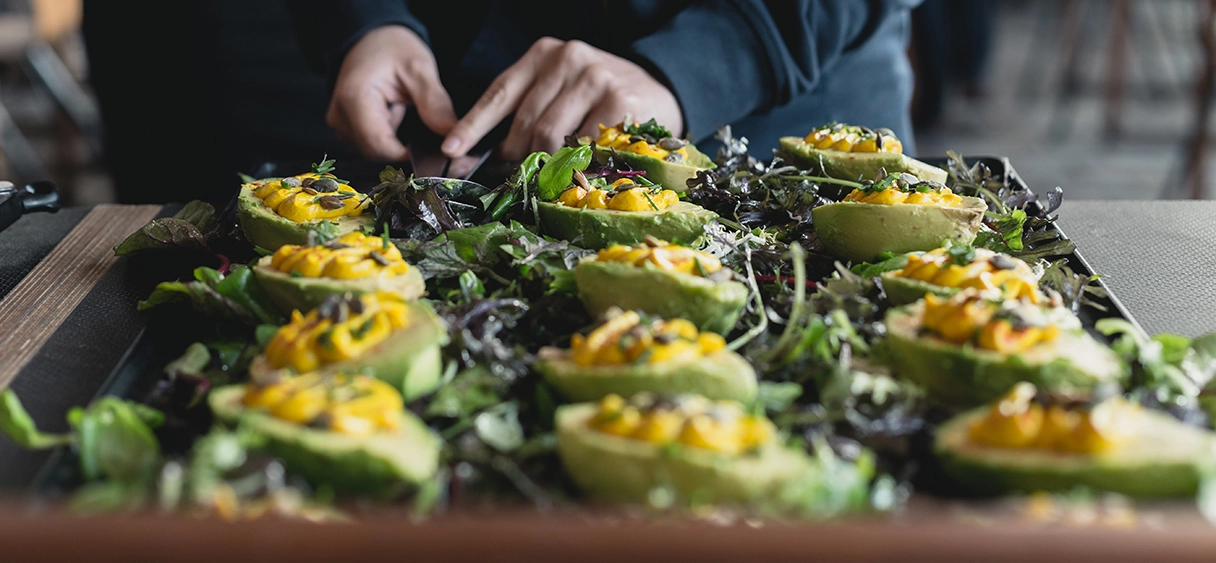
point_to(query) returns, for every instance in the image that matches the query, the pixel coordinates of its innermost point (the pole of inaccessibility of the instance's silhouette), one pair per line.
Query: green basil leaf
(499, 427)
(528, 168)
(17, 424)
(242, 287)
(558, 172)
(124, 447)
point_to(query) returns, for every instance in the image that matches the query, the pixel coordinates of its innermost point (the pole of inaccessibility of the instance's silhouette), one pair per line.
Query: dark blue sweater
(768, 69)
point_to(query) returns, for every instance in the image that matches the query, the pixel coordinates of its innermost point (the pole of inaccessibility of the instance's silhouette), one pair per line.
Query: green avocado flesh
(682, 223)
(302, 294)
(902, 291)
(408, 359)
(380, 464)
(1162, 459)
(859, 232)
(267, 229)
(720, 375)
(625, 470)
(966, 376)
(713, 306)
(673, 176)
(854, 166)
(670, 175)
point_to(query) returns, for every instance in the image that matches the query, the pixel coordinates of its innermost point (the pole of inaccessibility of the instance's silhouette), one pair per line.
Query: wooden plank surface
(514, 535)
(31, 313)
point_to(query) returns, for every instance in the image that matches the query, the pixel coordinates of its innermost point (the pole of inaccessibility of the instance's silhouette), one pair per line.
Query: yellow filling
(336, 331)
(720, 426)
(851, 138)
(350, 256)
(358, 405)
(982, 273)
(967, 317)
(1017, 421)
(302, 203)
(624, 338)
(662, 255)
(940, 197)
(624, 196)
(615, 137)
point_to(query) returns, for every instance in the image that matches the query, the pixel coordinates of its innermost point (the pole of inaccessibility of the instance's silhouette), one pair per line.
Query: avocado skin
(266, 229)
(673, 176)
(902, 291)
(681, 223)
(854, 166)
(713, 306)
(623, 470)
(410, 359)
(303, 294)
(965, 376)
(720, 375)
(1163, 461)
(858, 232)
(380, 465)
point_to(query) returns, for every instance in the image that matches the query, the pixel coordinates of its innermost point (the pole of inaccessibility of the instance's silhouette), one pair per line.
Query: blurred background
(1108, 99)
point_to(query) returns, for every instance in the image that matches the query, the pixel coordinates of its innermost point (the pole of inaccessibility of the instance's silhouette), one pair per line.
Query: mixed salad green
(539, 401)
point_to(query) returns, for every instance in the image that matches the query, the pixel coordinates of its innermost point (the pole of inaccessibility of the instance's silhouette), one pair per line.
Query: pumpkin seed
(291, 182)
(671, 144)
(325, 185)
(378, 258)
(330, 202)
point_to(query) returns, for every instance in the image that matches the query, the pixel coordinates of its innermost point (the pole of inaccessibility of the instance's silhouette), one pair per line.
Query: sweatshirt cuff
(713, 62)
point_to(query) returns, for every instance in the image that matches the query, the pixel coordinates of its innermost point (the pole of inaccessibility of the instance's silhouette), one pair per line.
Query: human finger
(498, 101)
(428, 95)
(370, 122)
(545, 88)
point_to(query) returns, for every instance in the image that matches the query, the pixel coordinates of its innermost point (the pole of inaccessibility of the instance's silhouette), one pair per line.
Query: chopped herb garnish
(650, 201)
(362, 330)
(651, 127)
(325, 166)
(326, 339)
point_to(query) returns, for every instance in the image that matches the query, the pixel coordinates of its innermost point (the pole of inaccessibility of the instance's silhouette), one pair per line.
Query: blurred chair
(32, 32)
(1191, 180)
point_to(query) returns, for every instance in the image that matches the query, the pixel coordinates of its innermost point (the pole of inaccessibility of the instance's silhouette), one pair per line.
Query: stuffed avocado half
(274, 212)
(662, 279)
(668, 161)
(348, 432)
(850, 152)
(380, 334)
(948, 270)
(621, 449)
(302, 277)
(899, 214)
(623, 212)
(629, 352)
(1026, 441)
(968, 349)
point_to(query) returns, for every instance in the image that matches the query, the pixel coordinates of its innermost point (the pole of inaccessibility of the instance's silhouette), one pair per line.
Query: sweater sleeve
(725, 59)
(327, 29)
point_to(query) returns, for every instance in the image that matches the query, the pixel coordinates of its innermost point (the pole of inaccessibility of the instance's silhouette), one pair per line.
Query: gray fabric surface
(24, 243)
(1157, 257)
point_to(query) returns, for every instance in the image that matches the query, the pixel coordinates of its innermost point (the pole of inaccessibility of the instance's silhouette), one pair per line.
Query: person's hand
(558, 88)
(386, 71)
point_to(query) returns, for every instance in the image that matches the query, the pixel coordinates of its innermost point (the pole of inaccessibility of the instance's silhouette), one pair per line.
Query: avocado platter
(803, 403)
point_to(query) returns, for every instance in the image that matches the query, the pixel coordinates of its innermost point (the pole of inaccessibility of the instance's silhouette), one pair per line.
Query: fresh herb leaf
(17, 424)
(326, 165)
(651, 127)
(188, 230)
(558, 172)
